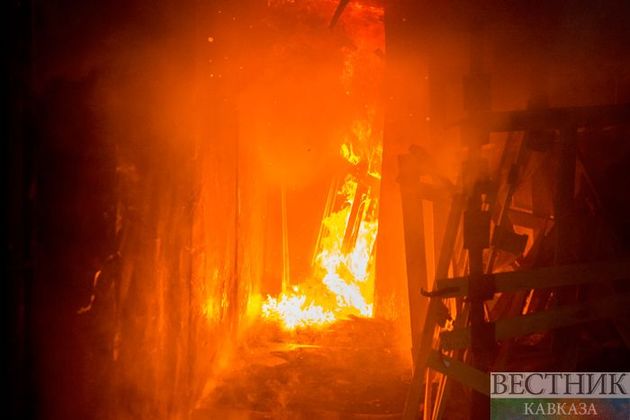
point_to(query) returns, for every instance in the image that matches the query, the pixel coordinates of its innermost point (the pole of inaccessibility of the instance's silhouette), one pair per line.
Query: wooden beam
(415, 249)
(565, 275)
(420, 356)
(528, 219)
(542, 321)
(552, 118)
(445, 384)
(460, 371)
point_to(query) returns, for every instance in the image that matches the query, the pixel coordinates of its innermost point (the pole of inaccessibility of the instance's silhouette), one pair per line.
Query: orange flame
(292, 311)
(342, 282)
(344, 266)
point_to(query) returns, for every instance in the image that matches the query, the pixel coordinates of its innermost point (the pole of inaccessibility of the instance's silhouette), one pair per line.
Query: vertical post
(477, 99)
(421, 353)
(415, 248)
(565, 191)
(564, 350)
(480, 406)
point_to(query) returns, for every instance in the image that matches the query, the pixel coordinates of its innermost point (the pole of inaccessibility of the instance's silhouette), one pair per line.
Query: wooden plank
(565, 275)
(421, 352)
(415, 250)
(527, 219)
(445, 384)
(446, 254)
(420, 356)
(552, 118)
(428, 401)
(460, 371)
(542, 321)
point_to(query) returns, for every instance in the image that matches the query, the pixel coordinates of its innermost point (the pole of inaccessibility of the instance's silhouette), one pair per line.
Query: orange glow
(299, 130)
(342, 272)
(292, 310)
(349, 155)
(343, 282)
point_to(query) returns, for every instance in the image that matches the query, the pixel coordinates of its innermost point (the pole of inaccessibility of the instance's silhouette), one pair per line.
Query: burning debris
(343, 279)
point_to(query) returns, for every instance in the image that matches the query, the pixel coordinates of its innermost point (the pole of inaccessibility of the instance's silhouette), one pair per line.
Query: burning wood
(344, 263)
(342, 273)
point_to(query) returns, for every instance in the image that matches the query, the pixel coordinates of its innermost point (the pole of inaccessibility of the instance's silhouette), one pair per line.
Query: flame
(343, 280)
(348, 154)
(346, 273)
(293, 311)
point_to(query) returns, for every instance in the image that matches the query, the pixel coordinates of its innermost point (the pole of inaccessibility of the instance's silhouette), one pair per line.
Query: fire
(341, 283)
(349, 155)
(346, 273)
(343, 279)
(293, 311)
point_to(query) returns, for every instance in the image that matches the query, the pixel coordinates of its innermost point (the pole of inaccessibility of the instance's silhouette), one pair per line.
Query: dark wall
(62, 181)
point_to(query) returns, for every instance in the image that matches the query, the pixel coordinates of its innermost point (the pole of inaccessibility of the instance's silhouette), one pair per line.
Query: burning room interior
(311, 209)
